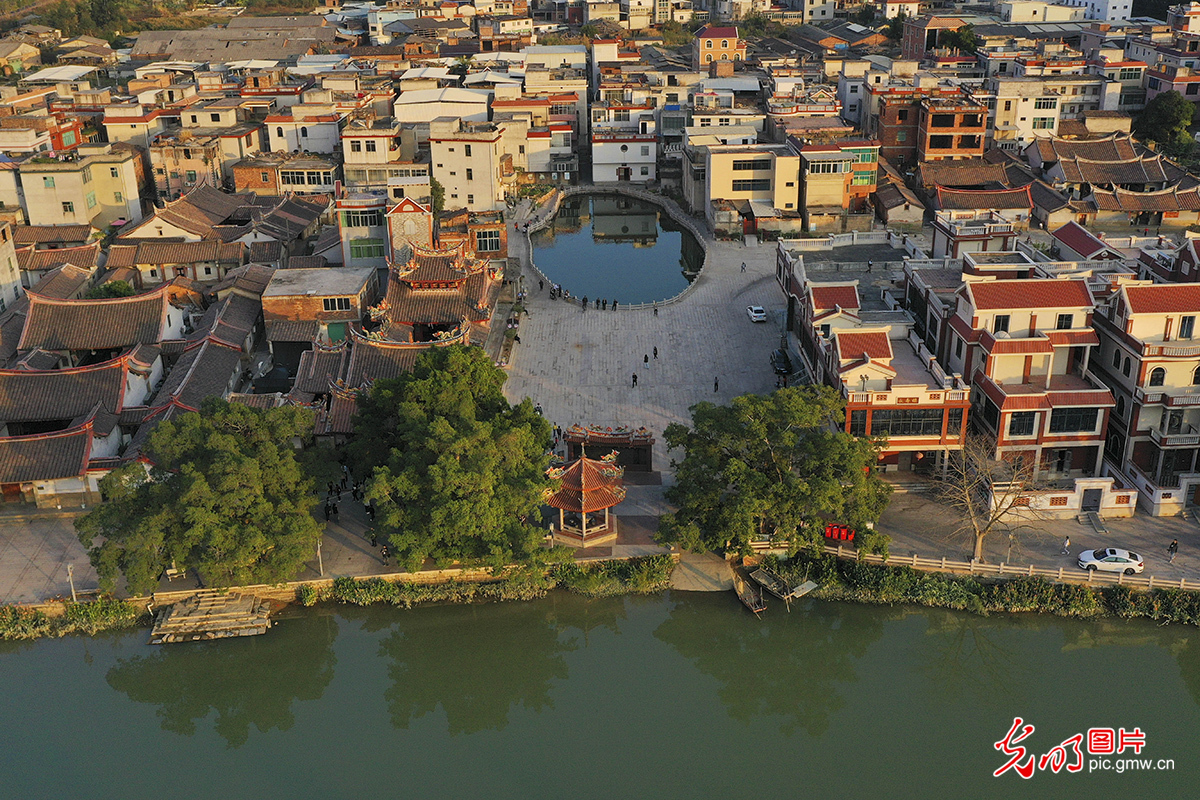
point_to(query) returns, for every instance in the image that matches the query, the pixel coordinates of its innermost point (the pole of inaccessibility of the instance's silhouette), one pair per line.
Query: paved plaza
(35, 549)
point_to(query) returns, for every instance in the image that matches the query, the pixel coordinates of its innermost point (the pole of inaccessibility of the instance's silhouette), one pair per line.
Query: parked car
(756, 313)
(1111, 559)
(781, 363)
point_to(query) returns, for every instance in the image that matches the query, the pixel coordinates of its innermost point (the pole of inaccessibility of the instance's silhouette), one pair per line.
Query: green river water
(669, 696)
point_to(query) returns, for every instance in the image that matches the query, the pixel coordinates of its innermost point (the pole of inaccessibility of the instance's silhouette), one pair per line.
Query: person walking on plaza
(656, 354)
(583, 304)
(634, 381)
(646, 359)
(374, 538)
(743, 266)
(385, 554)
(614, 305)
(1173, 550)
(716, 384)
(1066, 548)
(541, 285)
(604, 304)
(656, 311)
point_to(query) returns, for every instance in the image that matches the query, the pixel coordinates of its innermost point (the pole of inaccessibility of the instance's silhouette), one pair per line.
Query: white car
(1110, 559)
(756, 313)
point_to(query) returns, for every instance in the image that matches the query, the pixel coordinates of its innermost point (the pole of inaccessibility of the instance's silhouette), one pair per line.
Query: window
(47, 183)
(708, 43)
(215, 117)
(1125, 369)
(826, 168)
(1116, 359)
(863, 178)
(1043, 123)
(264, 177)
(1065, 322)
(1127, 74)
(118, 197)
(1121, 407)
(1001, 323)
(645, 149)
(1046, 102)
(858, 422)
(191, 176)
(355, 146)
(68, 208)
(1196, 377)
(90, 199)
(279, 132)
(114, 172)
(958, 347)
(901, 136)
(645, 170)
(902, 114)
(467, 150)
(1008, 105)
(754, 185)
(1021, 423)
(208, 270)
(337, 303)
(907, 422)
(1192, 88)
(366, 248)
(743, 165)
(371, 146)
(304, 133)
(195, 119)
(487, 241)
(1073, 420)
(1187, 327)
(470, 174)
(724, 44)
(470, 199)
(361, 219)
(86, 174)
(1158, 376)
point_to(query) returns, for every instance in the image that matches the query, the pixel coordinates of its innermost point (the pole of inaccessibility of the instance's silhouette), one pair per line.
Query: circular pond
(617, 248)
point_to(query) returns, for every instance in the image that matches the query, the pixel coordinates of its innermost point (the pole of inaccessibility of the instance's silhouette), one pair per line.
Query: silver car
(756, 313)
(1110, 559)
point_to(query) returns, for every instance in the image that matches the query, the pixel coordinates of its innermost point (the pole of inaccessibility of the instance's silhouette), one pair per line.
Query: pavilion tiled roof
(64, 281)
(45, 456)
(1174, 298)
(121, 322)
(472, 302)
(372, 361)
(586, 485)
(262, 401)
(969, 200)
(1163, 200)
(61, 394)
(1032, 293)
(32, 260)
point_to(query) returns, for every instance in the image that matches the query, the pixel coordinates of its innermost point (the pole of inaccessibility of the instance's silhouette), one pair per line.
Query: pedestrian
(335, 513)
(604, 304)
(614, 305)
(1173, 550)
(1066, 548)
(656, 354)
(541, 285)
(634, 386)
(327, 512)
(716, 384)
(656, 311)
(345, 481)
(374, 538)
(743, 266)
(870, 264)
(385, 554)
(646, 359)
(371, 511)
(583, 305)
(597, 303)
(331, 487)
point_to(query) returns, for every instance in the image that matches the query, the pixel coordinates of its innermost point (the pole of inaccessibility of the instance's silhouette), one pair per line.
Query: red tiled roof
(588, 485)
(723, 32)
(45, 456)
(1062, 338)
(872, 344)
(61, 394)
(1041, 293)
(1079, 239)
(1178, 298)
(53, 324)
(963, 329)
(971, 200)
(1094, 397)
(827, 297)
(1036, 345)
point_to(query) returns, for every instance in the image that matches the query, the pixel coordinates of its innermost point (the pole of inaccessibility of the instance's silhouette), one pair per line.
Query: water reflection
(251, 681)
(611, 246)
(795, 665)
(505, 656)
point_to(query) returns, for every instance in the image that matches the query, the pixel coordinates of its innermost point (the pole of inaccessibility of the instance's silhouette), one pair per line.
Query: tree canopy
(225, 495)
(962, 39)
(769, 465)
(454, 470)
(110, 289)
(1165, 119)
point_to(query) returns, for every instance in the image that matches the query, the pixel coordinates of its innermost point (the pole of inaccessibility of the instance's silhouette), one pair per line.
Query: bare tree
(987, 491)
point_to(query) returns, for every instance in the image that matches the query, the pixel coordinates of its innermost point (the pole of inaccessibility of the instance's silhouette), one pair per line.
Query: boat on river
(748, 593)
(776, 585)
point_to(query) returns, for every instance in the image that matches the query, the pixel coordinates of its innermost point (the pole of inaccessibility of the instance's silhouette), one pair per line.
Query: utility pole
(71, 580)
(320, 561)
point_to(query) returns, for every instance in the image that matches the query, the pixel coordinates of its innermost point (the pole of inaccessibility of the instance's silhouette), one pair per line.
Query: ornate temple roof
(586, 485)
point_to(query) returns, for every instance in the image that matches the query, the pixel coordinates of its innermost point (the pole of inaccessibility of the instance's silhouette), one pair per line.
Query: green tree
(225, 496)
(961, 39)
(110, 289)
(769, 465)
(1165, 119)
(437, 196)
(456, 472)
(895, 27)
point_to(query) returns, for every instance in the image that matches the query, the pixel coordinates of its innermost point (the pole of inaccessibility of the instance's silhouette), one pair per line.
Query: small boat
(748, 593)
(776, 585)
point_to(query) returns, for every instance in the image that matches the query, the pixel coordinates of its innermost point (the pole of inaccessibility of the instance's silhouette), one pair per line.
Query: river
(669, 696)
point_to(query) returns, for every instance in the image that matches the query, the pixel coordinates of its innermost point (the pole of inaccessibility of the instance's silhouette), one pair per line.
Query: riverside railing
(1006, 570)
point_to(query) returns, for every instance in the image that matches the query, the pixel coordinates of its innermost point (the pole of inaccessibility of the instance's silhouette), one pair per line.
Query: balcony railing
(979, 228)
(1172, 349)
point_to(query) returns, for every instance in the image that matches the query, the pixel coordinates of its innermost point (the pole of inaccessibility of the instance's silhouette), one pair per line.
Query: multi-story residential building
(277, 174)
(1104, 10)
(362, 225)
(893, 112)
(1149, 356)
(1025, 346)
(725, 176)
(950, 128)
(292, 131)
(1026, 108)
(96, 184)
(470, 161)
(624, 156)
(303, 306)
(837, 179)
(10, 272)
(180, 163)
(922, 35)
(962, 231)
(717, 43)
(375, 150)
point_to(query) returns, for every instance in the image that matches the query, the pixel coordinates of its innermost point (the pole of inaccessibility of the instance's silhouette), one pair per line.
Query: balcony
(1176, 398)
(975, 227)
(1189, 437)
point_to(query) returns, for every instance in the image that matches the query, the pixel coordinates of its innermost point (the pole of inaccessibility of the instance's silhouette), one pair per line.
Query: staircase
(1093, 519)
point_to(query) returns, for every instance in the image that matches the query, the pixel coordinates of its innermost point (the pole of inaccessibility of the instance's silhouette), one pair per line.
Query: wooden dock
(211, 615)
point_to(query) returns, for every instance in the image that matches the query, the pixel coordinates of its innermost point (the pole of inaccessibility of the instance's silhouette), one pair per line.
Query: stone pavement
(35, 549)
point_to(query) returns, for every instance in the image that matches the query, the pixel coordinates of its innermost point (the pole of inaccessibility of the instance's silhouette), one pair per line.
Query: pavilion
(586, 486)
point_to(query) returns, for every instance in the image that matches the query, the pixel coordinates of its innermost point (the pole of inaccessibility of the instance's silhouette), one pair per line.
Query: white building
(468, 160)
(1104, 10)
(624, 156)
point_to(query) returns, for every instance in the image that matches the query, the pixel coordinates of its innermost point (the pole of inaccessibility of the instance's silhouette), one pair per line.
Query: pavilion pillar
(583, 534)
(607, 526)
(560, 519)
